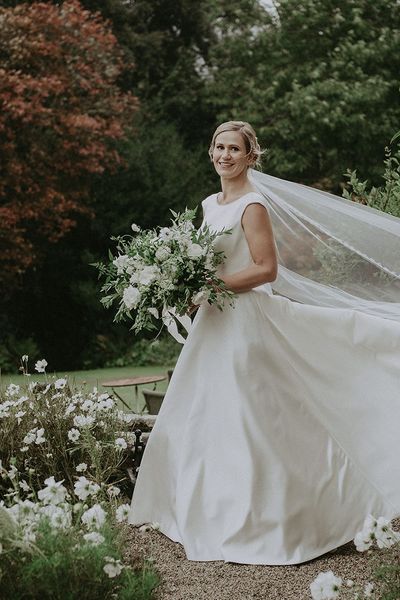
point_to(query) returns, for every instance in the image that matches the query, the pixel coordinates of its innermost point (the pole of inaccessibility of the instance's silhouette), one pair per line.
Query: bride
(278, 433)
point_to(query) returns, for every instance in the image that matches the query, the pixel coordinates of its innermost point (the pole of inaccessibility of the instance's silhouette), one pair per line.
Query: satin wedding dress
(279, 431)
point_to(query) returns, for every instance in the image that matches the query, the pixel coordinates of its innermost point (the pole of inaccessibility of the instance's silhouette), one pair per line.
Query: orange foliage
(61, 112)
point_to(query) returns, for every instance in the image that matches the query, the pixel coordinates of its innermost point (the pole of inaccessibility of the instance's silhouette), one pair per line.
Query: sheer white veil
(331, 251)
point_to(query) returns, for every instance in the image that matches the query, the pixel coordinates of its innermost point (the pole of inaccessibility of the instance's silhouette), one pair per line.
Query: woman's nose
(226, 153)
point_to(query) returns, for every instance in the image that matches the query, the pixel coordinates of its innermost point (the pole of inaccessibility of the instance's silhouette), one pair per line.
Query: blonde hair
(249, 136)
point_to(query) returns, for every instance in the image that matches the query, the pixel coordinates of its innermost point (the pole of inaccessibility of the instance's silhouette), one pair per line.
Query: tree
(61, 115)
(319, 82)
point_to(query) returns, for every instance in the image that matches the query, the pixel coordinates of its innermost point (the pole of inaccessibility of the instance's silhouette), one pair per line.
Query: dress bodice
(234, 245)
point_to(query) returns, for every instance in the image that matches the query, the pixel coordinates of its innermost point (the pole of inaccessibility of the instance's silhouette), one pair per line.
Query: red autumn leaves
(61, 114)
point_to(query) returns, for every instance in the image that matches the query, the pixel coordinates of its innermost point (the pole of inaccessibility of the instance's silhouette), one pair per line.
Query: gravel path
(215, 580)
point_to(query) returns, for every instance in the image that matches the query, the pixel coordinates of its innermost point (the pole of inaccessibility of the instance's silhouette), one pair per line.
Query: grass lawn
(89, 379)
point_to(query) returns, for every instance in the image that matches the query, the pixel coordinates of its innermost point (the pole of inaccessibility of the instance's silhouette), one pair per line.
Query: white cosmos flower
(74, 434)
(122, 513)
(87, 405)
(24, 486)
(60, 516)
(85, 488)
(41, 365)
(94, 517)
(113, 491)
(131, 297)
(12, 390)
(94, 538)
(112, 567)
(30, 437)
(70, 408)
(40, 436)
(326, 586)
(83, 421)
(12, 472)
(53, 493)
(60, 384)
(384, 534)
(121, 443)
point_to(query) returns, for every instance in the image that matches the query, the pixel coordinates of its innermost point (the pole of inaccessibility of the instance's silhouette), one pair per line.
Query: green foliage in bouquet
(163, 268)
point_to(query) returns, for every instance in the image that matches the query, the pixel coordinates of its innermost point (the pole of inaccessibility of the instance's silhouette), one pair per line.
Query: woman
(279, 430)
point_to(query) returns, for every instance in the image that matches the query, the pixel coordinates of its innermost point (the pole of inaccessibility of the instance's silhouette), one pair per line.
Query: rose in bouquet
(159, 274)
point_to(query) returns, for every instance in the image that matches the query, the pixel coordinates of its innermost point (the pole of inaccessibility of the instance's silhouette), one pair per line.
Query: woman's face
(229, 154)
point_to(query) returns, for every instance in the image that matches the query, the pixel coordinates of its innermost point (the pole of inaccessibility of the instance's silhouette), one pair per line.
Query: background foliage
(318, 80)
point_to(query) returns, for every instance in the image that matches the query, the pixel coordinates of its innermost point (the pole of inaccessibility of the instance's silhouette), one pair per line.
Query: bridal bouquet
(159, 274)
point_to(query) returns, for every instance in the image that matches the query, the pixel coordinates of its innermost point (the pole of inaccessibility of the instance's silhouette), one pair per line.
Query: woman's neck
(234, 188)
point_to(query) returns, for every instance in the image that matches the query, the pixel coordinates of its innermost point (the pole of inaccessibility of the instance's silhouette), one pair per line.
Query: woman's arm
(260, 238)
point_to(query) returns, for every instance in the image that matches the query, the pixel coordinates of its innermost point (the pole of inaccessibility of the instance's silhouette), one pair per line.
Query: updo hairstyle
(249, 136)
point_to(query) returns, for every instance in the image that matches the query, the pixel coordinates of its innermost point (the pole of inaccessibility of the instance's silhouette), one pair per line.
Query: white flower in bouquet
(121, 262)
(194, 250)
(326, 586)
(201, 296)
(94, 517)
(131, 297)
(163, 252)
(165, 233)
(170, 268)
(135, 228)
(148, 274)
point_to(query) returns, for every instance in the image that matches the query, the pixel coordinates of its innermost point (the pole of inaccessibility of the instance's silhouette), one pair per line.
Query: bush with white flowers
(159, 273)
(52, 429)
(52, 547)
(328, 586)
(62, 491)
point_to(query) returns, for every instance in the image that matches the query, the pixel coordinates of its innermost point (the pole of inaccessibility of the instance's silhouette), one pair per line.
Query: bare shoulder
(255, 214)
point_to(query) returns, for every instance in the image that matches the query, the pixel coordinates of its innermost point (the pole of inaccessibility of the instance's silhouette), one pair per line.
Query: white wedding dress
(280, 428)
